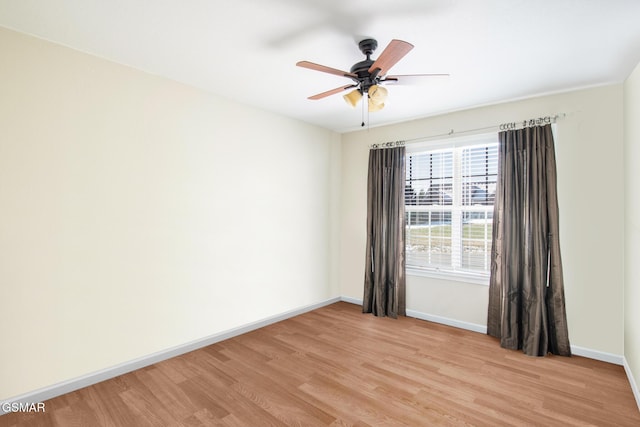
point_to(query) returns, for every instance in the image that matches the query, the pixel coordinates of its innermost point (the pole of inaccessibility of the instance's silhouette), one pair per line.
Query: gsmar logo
(22, 407)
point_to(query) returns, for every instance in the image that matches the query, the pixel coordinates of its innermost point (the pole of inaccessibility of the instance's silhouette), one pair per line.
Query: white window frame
(456, 209)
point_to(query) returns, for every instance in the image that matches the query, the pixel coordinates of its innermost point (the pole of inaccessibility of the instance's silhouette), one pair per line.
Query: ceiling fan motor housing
(361, 69)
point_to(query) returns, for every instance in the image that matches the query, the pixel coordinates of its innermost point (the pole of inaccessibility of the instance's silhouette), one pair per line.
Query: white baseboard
(74, 384)
(431, 318)
(632, 381)
(447, 321)
(350, 300)
(597, 355)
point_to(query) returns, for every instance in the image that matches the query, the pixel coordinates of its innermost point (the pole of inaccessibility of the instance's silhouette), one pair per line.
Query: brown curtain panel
(526, 291)
(384, 278)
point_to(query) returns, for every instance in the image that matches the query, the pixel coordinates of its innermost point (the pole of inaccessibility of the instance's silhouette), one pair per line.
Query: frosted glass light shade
(353, 97)
(378, 94)
(375, 106)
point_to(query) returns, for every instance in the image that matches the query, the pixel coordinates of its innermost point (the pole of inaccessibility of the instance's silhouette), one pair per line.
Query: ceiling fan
(369, 75)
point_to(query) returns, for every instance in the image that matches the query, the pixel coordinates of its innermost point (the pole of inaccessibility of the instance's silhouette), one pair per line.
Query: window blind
(449, 194)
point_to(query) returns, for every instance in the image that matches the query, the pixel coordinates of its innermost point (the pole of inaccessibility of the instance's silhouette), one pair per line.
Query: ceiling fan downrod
(365, 79)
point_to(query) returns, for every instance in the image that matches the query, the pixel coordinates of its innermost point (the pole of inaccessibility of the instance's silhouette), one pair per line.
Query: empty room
(319, 213)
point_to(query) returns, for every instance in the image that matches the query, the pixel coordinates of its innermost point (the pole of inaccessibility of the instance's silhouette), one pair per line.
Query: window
(449, 194)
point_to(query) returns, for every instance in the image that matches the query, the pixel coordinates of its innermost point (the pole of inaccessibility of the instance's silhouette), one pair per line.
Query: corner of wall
(631, 288)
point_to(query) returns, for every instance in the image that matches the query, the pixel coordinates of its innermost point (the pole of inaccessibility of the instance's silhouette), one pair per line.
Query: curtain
(384, 279)
(526, 290)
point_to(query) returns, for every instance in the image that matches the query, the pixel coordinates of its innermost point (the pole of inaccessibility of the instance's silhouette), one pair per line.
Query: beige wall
(589, 148)
(138, 214)
(632, 226)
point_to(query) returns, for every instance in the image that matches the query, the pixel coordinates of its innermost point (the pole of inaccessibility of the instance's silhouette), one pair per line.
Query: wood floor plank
(167, 393)
(77, 415)
(338, 367)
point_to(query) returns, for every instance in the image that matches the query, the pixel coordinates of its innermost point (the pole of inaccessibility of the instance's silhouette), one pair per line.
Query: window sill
(456, 277)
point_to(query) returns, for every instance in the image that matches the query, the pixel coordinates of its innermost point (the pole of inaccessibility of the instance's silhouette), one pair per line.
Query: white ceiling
(494, 50)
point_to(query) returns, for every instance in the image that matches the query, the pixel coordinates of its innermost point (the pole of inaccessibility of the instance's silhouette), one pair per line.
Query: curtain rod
(501, 127)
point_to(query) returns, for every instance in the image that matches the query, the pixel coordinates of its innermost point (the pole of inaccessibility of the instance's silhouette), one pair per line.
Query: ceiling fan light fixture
(378, 94)
(375, 106)
(353, 97)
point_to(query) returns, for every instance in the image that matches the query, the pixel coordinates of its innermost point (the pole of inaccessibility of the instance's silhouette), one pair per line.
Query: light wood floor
(338, 367)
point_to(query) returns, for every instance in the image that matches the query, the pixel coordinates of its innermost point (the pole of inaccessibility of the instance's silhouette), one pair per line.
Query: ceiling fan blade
(325, 69)
(394, 52)
(331, 92)
(412, 79)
